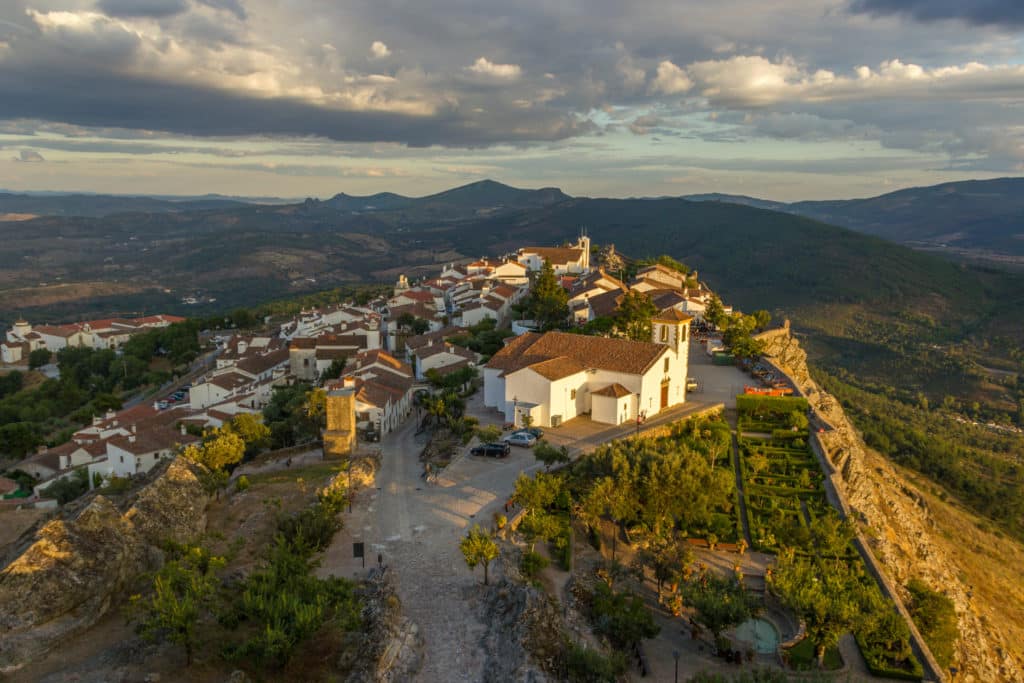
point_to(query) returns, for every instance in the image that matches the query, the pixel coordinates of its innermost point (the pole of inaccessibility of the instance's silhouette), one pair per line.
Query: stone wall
(78, 565)
(895, 529)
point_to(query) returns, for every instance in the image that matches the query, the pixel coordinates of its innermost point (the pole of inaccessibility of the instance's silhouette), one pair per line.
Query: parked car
(161, 405)
(492, 450)
(535, 432)
(524, 439)
(692, 384)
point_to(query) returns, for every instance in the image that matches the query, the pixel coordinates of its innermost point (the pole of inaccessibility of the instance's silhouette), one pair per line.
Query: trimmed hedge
(879, 666)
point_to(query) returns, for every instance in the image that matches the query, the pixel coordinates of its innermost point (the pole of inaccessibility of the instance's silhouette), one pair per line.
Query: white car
(524, 439)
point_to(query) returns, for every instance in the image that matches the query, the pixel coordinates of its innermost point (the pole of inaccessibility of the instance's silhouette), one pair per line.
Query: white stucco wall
(494, 388)
(604, 409)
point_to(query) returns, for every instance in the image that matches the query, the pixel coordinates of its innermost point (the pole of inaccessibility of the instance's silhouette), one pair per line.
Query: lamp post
(515, 412)
(675, 656)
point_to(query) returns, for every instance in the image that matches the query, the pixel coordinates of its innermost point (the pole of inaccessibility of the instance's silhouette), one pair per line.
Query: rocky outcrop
(524, 628)
(896, 520)
(391, 647)
(77, 567)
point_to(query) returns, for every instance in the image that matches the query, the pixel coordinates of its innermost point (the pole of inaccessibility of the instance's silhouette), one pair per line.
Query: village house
(564, 260)
(109, 333)
(557, 376)
(441, 356)
(383, 388)
(138, 452)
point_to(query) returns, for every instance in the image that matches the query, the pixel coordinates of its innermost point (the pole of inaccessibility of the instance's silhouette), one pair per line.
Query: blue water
(760, 633)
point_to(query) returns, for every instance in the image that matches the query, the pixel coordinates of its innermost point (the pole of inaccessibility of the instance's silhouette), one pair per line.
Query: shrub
(116, 485)
(242, 484)
(621, 617)
(532, 564)
(586, 665)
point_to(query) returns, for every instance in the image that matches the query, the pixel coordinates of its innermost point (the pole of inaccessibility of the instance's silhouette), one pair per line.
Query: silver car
(524, 439)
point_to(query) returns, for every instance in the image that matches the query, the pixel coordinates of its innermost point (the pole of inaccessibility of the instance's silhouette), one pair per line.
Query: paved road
(416, 528)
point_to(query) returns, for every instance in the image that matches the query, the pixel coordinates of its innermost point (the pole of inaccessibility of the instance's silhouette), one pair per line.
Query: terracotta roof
(662, 269)
(605, 304)
(557, 368)
(504, 291)
(377, 357)
(264, 362)
(672, 315)
(150, 440)
(331, 354)
(418, 295)
(7, 486)
(229, 380)
(615, 390)
(617, 355)
(449, 369)
(302, 343)
(341, 341)
(557, 255)
(666, 298)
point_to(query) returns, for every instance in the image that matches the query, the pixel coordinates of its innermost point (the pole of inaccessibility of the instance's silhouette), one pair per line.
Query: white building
(555, 377)
(572, 260)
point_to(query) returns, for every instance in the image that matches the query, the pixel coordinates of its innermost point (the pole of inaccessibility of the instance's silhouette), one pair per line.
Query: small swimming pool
(760, 633)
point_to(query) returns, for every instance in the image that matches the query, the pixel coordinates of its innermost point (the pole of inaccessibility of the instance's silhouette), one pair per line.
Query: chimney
(348, 383)
(110, 414)
(131, 438)
(183, 430)
(133, 429)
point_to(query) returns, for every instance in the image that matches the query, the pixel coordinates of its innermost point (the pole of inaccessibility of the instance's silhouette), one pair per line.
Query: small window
(666, 365)
(305, 362)
(664, 333)
(572, 394)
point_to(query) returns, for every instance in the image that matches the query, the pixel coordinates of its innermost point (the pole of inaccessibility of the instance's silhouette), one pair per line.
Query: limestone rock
(77, 566)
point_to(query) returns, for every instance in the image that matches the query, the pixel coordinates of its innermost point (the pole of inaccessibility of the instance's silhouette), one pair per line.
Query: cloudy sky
(785, 99)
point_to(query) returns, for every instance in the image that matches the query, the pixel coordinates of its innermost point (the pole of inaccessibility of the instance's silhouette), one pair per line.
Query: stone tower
(340, 435)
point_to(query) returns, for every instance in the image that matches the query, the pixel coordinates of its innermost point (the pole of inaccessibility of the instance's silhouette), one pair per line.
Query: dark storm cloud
(233, 6)
(979, 12)
(90, 99)
(142, 8)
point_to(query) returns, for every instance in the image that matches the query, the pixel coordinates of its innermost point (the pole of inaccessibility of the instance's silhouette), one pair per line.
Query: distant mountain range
(980, 218)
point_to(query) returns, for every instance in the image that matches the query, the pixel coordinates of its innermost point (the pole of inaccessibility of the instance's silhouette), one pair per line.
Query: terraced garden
(819, 567)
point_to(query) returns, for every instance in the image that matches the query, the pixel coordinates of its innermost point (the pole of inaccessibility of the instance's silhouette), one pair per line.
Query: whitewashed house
(556, 376)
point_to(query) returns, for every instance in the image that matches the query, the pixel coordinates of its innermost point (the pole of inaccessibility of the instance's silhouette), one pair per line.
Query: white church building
(556, 376)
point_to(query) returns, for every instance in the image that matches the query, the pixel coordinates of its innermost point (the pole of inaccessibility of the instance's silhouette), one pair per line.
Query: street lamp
(675, 656)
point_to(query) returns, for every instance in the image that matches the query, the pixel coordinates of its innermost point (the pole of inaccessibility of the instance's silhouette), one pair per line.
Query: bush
(621, 617)
(242, 484)
(532, 564)
(585, 665)
(935, 615)
(116, 485)
(67, 489)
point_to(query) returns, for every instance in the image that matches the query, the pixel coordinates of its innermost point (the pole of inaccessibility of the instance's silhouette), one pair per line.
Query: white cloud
(753, 81)
(670, 80)
(505, 72)
(379, 50)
